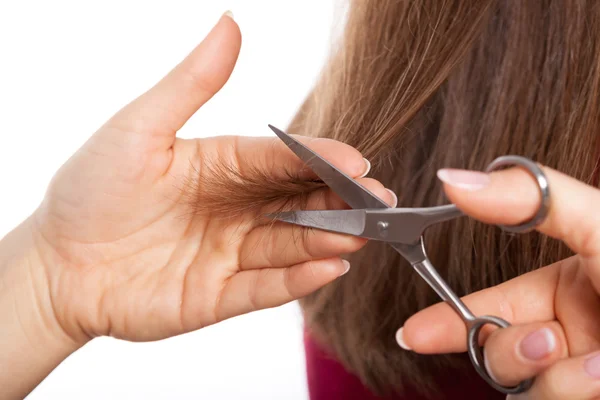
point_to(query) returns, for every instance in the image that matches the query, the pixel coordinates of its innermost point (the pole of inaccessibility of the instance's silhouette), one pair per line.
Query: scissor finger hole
(476, 354)
(542, 182)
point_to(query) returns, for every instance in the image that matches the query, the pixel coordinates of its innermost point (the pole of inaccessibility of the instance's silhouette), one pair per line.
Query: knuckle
(507, 311)
(253, 292)
(590, 242)
(259, 297)
(200, 82)
(310, 276)
(566, 224)
(312, 271)
(308, 241)
(555, 383)
(288, 283)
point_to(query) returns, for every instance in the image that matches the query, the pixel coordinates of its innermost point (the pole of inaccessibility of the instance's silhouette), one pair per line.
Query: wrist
(32, 342)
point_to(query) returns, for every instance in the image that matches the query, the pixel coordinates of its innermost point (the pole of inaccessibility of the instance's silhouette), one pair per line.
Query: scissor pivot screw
(382, 226)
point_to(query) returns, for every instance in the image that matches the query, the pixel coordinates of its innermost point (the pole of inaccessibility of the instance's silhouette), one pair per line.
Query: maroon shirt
(329, 380)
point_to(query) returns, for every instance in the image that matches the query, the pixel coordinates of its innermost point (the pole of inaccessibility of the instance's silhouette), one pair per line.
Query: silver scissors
(403, 228)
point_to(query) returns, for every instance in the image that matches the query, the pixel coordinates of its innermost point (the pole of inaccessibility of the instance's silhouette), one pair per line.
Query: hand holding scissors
(403, 228)
(555, 310)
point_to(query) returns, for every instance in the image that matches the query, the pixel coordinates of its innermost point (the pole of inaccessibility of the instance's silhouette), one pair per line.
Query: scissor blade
(353, 193)
(350, 222)
(392, 225)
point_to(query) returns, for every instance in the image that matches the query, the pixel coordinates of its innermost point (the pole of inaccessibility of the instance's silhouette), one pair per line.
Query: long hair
(424, 84)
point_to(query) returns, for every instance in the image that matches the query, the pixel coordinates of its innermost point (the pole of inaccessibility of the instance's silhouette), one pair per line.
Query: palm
(116, 217)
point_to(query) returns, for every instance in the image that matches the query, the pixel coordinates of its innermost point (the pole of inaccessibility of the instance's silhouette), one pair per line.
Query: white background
(67, 66)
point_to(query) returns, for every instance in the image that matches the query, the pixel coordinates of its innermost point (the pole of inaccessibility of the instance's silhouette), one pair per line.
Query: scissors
(403, 228)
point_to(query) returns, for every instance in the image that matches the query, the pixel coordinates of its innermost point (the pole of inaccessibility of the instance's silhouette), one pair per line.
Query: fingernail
(346, 266)
(538, 344)
(592, 366)
(228, 13)
(395, 202)
(368, 168)
(463, 179)
(400, 339)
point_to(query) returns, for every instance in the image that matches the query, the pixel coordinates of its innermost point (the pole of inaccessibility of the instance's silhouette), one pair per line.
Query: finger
(525, 299)
(511, 197)
(274, 157)
(257, 289)
(175, 98)
(571, 378)
(520, 352)
(281, 245)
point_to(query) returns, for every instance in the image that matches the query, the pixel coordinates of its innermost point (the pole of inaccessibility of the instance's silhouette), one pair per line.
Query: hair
(424, 84)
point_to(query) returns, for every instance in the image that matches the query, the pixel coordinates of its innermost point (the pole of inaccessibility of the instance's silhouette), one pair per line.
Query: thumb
(511, 197)
(173, 100)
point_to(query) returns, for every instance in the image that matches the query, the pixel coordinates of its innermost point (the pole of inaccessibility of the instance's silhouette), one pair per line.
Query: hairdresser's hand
(555, 311)
(123, 252)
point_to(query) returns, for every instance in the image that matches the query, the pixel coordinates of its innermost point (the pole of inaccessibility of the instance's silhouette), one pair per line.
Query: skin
(562, 297)
(113, 251)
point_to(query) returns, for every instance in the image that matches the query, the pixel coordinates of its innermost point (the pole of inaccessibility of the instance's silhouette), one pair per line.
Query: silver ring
(476, 354)
(543, 186)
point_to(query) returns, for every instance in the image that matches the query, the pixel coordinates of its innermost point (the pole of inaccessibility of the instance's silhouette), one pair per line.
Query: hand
(116, 247)
(555, 311)
(122, 252)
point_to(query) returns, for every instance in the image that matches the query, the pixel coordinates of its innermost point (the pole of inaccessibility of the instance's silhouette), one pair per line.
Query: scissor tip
(277, 131)
(287, 139)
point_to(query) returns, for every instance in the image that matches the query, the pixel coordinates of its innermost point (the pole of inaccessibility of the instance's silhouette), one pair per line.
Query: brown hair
(424, 84)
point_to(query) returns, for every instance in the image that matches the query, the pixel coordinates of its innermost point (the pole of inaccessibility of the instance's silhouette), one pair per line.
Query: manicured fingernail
(367, 168)
(228, 13)
(592, 366)
(400, 339)
(346, 266)
(463, 179)
(538, 344)
(395, 202)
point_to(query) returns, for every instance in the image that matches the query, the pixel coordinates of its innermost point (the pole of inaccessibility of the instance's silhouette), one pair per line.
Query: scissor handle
(474, 324)
(542, 182)
(474, 327)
